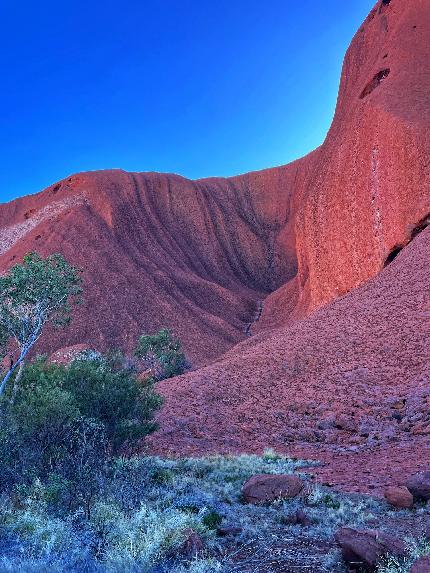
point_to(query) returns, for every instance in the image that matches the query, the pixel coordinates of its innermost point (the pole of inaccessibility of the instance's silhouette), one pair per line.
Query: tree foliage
(32, 294)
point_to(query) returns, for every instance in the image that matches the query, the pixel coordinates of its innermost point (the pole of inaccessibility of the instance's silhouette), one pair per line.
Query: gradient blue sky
(199, 88)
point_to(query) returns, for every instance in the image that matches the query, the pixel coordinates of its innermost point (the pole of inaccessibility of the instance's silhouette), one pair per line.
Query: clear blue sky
(199, 88)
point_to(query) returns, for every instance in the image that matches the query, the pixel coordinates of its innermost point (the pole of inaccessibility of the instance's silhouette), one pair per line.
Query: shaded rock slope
(336, 245)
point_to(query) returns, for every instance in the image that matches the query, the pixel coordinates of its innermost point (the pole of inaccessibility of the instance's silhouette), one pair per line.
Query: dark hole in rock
(415, 27)
(384, 4)
(56, 188)
(419, 227)
(423, 224)
(29, 213)
(38, 237)
(374, 83)
(386, 56)
(392, 255)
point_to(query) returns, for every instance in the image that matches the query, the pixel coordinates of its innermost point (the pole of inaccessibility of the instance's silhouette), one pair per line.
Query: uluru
(300, 293)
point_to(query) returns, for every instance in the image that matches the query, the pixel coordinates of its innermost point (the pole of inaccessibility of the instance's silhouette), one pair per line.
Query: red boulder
(192, 546)
(399, 497)
(365, 547)
(264, 488)
(419, 485)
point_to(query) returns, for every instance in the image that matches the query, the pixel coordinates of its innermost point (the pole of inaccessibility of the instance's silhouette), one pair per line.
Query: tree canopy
(38, 291)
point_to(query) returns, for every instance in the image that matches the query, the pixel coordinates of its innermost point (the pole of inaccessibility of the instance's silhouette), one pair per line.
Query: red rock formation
(359, 198)
(338, 341)
(159, 250)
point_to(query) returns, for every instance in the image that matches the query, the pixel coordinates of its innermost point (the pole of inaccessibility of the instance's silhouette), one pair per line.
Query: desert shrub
(162, 354)
(212, 519)
(110, 393)
(143, 507)
(35, 427)
(67, 421)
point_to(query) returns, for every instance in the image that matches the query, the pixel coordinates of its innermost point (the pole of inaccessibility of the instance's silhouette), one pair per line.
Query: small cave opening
(384, 5)
(423, 224)
(393, 254)
(375, 82)
(419, 227)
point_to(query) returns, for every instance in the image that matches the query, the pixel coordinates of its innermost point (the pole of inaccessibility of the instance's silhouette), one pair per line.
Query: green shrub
(212, 519)
(65, 421)
(162, 354)
(112, 394)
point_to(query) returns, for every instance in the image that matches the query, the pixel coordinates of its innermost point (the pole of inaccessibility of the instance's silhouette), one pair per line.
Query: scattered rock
(303, 519)
(419, 485)
(365, 547)
(422, 429)
(192, 546)
(326, 424)
(398, 404)
(145, 375)
(264, 488)
(228, 531)
(67, 354)
(421, 566)
(346, 423)
(399, 497)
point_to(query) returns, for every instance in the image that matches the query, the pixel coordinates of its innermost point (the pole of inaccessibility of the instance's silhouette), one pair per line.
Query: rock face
(336, 245)
(265, 488)
(159, 250)
(366, 547)
(361, 214)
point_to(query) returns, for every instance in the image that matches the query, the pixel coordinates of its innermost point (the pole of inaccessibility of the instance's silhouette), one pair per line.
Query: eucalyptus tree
(32, 294)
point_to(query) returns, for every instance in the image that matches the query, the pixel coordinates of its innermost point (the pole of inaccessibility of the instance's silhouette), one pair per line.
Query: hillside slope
(159, 250)
(347, 384)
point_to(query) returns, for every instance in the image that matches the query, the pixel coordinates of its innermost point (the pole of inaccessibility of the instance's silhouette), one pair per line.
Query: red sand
(339, 364)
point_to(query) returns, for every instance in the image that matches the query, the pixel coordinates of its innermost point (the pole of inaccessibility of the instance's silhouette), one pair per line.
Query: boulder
(422, 565)
(419, 485)
(365, 547)
(399, 497)
(264, 488)
(67, 354)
